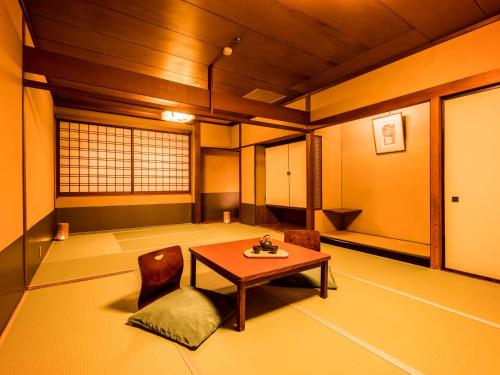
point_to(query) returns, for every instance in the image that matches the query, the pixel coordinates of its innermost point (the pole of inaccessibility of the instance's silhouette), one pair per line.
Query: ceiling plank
(296, 29)
(374, 57)
(70, 68)
(159, 37)
(435, 19)
(490, 7)
(203, 26)
(368, 22)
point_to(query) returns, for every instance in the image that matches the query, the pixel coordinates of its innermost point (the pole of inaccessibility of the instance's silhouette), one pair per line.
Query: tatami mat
(386, 317)
(422, 336)
(80, 329)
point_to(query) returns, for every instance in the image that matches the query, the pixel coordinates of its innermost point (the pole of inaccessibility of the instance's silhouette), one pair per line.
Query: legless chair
(304, 238)
(161, 273)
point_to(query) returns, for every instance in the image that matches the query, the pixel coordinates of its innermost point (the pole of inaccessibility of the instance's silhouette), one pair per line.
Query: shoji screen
(161, 161)
(94, 158)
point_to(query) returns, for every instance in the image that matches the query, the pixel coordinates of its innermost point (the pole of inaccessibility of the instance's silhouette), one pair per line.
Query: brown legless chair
(161, 272)
(304, 238)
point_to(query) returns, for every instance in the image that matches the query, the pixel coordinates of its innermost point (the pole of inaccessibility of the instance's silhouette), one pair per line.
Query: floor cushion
(305, 279)
(187, 315)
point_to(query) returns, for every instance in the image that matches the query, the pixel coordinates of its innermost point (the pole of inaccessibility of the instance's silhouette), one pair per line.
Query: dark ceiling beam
(149, 104)
(70, 68)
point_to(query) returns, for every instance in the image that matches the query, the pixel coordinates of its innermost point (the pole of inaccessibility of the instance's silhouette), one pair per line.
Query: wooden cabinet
(286, 175)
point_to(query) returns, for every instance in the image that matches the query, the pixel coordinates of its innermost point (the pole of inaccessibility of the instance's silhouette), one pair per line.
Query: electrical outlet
(455, 199)
(40, 251)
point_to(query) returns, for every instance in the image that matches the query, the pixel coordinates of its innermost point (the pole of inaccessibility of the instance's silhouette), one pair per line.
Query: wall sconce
(62, 231)
(176, 117)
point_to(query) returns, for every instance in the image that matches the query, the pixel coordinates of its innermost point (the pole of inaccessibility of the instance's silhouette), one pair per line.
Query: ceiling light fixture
(176, 117)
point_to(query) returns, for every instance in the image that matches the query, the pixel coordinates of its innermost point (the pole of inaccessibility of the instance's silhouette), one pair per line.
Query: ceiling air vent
(264, 96)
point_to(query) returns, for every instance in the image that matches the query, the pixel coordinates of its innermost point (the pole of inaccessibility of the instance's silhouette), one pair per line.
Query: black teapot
(266, 243)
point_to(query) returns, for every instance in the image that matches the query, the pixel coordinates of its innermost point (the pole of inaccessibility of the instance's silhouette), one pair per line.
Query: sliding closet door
(277, 187)
(297, 160)
(472, 183)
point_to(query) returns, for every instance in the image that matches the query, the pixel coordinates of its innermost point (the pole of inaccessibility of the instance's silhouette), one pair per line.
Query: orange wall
(392, 189)
(466, 55)
(219, 136)
(39, 123)
(40, 151)
(220, 171)
(11, 219)
(251, 134)
(248, 175)
(119, 200)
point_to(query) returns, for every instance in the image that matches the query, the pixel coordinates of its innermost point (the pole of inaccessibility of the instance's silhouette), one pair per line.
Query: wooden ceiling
(290, 47)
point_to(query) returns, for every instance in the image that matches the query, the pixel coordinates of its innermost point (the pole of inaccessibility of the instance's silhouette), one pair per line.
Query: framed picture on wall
(388, 132)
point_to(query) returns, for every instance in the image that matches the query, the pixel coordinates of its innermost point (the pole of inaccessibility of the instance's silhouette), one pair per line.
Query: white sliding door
(277, 185)
(472, 183)
(297, 162)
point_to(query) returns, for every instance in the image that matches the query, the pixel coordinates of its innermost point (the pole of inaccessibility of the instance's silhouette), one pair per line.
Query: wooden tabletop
(229, 258)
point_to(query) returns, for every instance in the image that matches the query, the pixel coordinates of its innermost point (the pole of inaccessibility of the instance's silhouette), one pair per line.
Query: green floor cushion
(187, 315)
(305, 279)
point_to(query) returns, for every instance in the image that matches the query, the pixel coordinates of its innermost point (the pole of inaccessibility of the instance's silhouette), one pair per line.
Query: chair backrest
(304, 238)
(161, 272)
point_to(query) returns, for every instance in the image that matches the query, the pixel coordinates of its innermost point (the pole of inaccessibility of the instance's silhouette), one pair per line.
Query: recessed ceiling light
(176, 116)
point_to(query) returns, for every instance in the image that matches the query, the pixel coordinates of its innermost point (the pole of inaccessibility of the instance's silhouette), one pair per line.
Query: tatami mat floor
(386, 317)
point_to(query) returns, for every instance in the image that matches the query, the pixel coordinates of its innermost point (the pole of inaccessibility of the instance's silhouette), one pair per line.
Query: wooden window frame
(119, 193)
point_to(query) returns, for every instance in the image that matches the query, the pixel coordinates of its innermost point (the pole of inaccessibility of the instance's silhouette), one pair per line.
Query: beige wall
(11, 219)
(248, 175)
(392, 189)
(220, 171)
(466, 55)
(219, 136)
(119, 200)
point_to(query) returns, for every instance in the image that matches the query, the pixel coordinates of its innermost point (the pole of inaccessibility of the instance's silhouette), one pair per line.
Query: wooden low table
(227, 259)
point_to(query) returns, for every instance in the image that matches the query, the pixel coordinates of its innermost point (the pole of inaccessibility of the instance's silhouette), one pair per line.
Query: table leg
(193, 271)
(240, 307)
(324, 280)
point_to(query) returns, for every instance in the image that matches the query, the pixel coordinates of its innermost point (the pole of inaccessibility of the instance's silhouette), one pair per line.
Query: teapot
(266, 243)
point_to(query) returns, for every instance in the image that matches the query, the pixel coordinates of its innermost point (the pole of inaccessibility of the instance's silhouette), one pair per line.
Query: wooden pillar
(197, 173)
(309, 180)
(436, 184)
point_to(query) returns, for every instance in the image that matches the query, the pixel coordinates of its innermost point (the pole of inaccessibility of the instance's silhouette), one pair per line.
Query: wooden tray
(265, 254)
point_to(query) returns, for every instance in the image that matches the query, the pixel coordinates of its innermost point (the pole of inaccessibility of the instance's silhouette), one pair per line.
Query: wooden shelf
(342, 217)
(343, 211)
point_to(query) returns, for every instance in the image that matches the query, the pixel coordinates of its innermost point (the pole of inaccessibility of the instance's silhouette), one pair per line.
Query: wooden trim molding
(309, 181)
(436, 184)
(197, 173)
(489, 78)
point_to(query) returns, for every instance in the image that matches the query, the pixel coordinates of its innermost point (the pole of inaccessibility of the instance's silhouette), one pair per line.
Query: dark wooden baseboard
(408, 258)
(247, 213)
(214, 204)
(12, 280)
(87, 219)
(38, 240)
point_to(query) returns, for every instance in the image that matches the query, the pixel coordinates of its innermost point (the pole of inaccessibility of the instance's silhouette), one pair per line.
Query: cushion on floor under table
(187, 315)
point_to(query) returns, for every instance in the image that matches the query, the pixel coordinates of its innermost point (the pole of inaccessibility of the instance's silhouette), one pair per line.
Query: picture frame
(389, 134)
